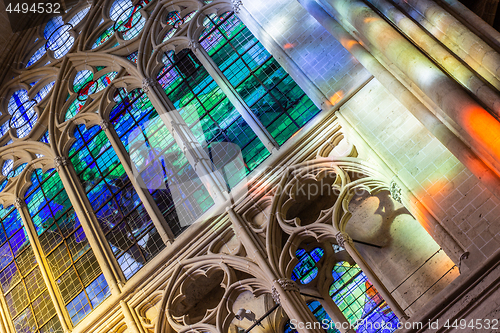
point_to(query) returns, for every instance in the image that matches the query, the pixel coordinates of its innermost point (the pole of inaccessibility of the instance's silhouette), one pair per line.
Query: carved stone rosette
(19, 203)
(395, 191)
(104, 124)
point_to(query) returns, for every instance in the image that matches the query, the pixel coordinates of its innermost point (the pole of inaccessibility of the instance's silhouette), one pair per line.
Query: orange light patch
(483, 127)
(288, 46)
(337, 97)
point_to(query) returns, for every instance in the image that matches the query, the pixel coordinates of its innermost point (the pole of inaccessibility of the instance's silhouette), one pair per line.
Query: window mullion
(233, 96)
(154, 212)
(43, 265)
(188, 143)
(5, 324)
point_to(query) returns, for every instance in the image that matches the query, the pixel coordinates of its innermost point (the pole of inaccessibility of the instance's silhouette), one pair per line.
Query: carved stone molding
(104, 124)
(193, 45)
(237, 5)
(148, 83)
(60, 161)
(287, 285)
(343, 238)
(19, 203)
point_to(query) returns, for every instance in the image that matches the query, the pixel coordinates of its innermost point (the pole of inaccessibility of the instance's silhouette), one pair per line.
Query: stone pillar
(42, 264)
(457, 37)
(447, 60)
(154, 213)
(107, 262)
(5, 322)
(187, 141)
(233, 96)
(480, 27)
(473, 122)
(283, 290)
(346, 242)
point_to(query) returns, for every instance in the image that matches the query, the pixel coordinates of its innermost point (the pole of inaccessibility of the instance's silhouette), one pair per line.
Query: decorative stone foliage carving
(395, 191)
(237, 4)
(287, 285)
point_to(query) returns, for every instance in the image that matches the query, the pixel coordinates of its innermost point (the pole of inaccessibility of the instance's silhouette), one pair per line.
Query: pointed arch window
(23, 287)
(71, 261)
(159, 160)
(122, 217)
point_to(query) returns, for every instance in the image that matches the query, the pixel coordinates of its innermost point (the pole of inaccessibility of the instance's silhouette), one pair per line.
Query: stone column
(480, 129)
(107, 262)
(283, 290)
(187, 142)
(5, 322)
(447, 60)
(346, 242)
(42, 264)
(154, 213)
(233, 96)
(457, 37)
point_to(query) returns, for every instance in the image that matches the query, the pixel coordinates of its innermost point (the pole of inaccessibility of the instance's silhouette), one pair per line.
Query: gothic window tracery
(126, 19)
(21, 109)
(58, 36)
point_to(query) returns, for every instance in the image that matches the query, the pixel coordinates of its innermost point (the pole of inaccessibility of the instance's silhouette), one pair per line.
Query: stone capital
(343, 238)
(60, 161)
(287, 285)
(148, 83)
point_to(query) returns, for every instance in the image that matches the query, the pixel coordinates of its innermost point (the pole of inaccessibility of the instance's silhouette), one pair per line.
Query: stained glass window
(356, 297)
(277, 101)
(175, 21)
(84, 85)
(173, 183)
(122, 217)
(127, 19)
(322, 317)
(359, 301)
(71, 261)
(207, 110)
(22, 284)
(306, 269)
(22, 110)
(58, 37)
